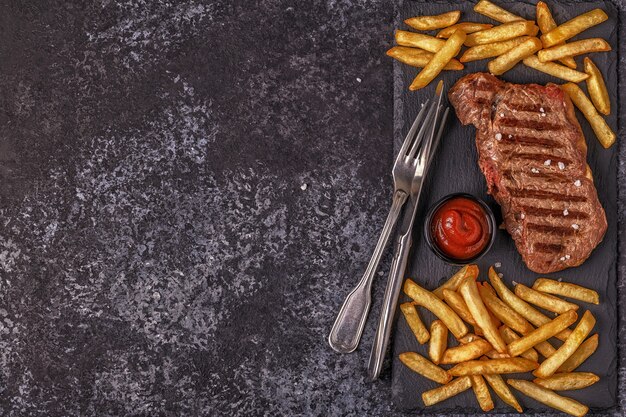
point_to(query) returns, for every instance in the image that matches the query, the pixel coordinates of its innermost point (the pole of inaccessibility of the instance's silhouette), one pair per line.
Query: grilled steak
(533, 155)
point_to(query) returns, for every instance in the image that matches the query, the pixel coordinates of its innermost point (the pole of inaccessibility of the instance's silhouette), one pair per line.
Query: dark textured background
(188, 190)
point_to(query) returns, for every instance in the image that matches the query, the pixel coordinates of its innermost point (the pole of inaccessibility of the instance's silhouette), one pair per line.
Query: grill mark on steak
(534, 195)
(529, 124)
(547, 212)
(529, 140)
(551, 230)
(545, 195)
(548, 247)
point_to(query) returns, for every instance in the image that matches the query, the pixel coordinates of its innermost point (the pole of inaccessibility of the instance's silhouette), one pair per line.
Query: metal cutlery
(348, 327)
(423, 148)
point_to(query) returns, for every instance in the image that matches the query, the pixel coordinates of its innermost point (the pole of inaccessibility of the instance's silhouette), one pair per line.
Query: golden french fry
(466, 352)
(566, 289)
(546, 23)
(444, 392)
(415, 322)
(490, 50)
(419, 40)
(509, 336)
(494, 366)
(502, 32)
(597, 88)
(542, 333)
(456, 279)
(497, 13)
(434, 22)
(573, 27)
(580, 47)
(475, 305)
(482, 393)
(509, 59)
(419, 58)
(456, 303)
(568, 381)
(502, 311)
(431, 302)
(549, 398)
(602, 130)
(438, 341)
(550, 365)
(586, 349)
(556, 70)
(545, 301)
(467, 27)
(440, 60)
(502, 390)
(522, 307)
(469, 338)
(492, 354)
(424, 367)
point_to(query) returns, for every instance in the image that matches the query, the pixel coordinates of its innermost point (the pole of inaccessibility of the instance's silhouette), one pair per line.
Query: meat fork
(348, 327)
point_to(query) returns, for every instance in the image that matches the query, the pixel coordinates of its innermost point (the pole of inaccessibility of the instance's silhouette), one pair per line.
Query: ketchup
(460, 228)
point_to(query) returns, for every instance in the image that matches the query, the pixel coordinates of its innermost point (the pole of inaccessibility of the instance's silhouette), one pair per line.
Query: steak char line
(532, 152)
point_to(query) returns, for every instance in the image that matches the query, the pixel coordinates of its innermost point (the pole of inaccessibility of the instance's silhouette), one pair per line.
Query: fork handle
(346, 332)
(390, 302)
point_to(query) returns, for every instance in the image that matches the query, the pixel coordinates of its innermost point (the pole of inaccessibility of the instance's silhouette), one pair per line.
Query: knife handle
(346, 332)
(390, 302)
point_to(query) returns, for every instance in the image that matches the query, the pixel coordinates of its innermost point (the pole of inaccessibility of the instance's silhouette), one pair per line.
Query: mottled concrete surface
(188, 189)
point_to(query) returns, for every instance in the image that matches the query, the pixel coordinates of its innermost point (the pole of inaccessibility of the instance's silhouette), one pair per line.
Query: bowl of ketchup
(460, 228)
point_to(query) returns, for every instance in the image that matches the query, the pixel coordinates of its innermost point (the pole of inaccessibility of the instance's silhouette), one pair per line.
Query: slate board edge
(621, 204)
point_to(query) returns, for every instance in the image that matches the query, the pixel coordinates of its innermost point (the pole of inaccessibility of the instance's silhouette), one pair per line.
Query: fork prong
(422, 131)
(411, 135)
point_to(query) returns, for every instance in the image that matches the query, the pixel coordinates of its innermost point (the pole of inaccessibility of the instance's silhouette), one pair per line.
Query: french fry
(456, 279)
(438, 341)
(415, 322)
(556, 70)
(494, 366)
(597, 88)
(522, 307)
(509, 336)
(602, 130)
(549, 398)
(546, 23)
(580, 47)
(497, 13)
(440, 60)
(466, 352)
(586, 349)
(566, 289)
(482, 393)
(490, 50)
(542, 333)
(431, 302)
(502, 390)
(507, 60)
(502, 32)
(469, 338)
(417, 363)
(467, 27)
(419, 58)
(568, 381)
(456, 303)
(545, 301)
(444, 392)
(434, 22)
(493, 354)
(502, 311)
(471, 296)
(419, 40)
(550, 365)
(573, 27)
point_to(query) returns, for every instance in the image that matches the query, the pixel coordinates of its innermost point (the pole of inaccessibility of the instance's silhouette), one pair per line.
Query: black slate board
(456, 170)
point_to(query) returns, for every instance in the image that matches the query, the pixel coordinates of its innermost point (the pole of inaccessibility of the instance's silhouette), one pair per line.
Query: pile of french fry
(510, 336)
(512, 41)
